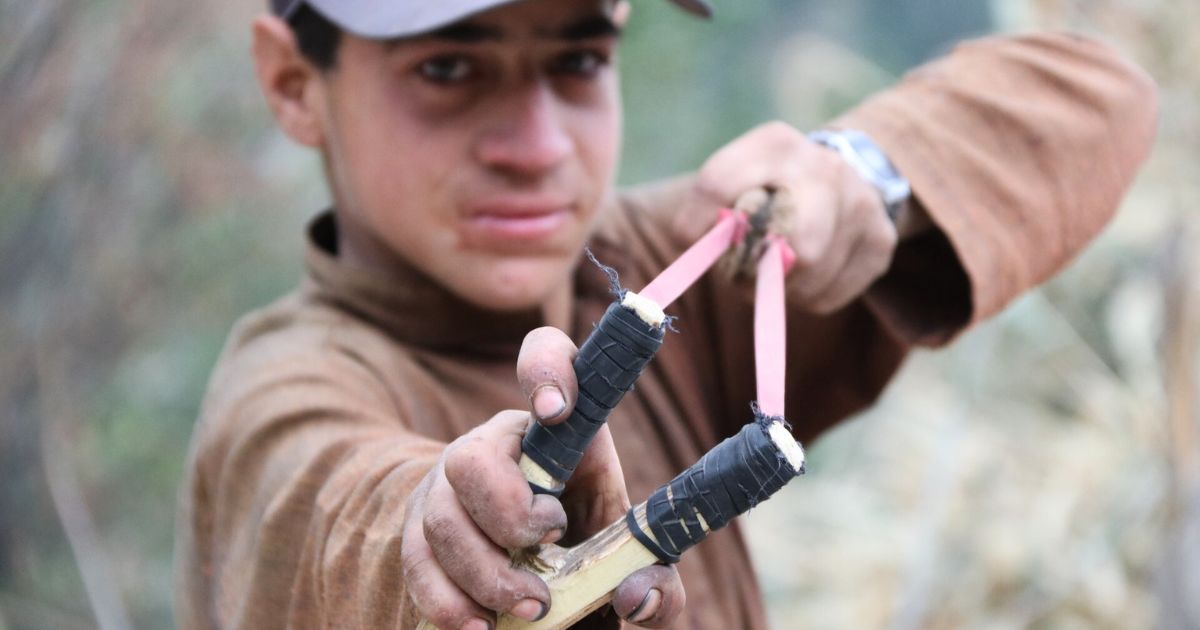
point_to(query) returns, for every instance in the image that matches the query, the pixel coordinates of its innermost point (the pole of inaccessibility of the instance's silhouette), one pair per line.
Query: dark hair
(316, 36)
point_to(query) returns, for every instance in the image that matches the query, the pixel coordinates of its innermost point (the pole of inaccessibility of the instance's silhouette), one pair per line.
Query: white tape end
(647, 309)
(787, 444)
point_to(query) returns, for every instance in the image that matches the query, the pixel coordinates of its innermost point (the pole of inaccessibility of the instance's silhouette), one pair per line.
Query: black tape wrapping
(607, 366)
(733, 477)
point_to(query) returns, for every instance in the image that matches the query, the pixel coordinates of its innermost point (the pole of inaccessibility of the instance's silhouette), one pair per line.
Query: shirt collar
(409, 305)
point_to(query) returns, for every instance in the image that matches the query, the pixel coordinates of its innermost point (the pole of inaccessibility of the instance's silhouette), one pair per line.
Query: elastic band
(688, 268)
(770, 328)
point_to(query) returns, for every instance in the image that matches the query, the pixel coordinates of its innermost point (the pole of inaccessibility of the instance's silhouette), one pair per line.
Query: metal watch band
(865, 157)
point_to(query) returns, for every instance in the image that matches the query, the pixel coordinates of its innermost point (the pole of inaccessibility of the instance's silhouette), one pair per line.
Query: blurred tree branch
(1180, 347)
(59, 414)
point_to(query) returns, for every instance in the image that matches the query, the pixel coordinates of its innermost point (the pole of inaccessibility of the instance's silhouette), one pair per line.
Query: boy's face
(481, 152)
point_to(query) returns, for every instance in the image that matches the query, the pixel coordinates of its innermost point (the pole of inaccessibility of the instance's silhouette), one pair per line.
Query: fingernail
(477, 624)
(648, 607)
(529, 610)
(548, 402)
(552, 536)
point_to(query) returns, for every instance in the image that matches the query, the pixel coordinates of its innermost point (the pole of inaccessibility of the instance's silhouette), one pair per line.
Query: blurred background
(1044, 472)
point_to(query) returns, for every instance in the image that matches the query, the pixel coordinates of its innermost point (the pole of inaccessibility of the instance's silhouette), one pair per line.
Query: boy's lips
(516, 220)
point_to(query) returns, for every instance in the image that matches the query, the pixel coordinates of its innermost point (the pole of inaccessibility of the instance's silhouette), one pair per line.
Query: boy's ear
(291, 85)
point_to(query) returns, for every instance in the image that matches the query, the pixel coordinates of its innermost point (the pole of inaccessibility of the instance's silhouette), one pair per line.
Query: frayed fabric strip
(614, 278)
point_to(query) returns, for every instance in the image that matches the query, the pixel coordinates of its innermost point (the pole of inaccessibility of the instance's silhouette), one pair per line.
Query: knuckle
(462, 459)
(781, 139)
(497, 587)
(509, 416)
(506, 424)
(877, 250)
(496, 591)
(707, 182)
(890, 236)
(880, 264)
(414, 565)
(438, 528)
(778, 130)
(445, 613)
(509, 526)
(831, 166)
(867, 199)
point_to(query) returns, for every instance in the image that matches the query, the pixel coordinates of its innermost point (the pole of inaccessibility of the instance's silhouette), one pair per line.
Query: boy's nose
(528, 137)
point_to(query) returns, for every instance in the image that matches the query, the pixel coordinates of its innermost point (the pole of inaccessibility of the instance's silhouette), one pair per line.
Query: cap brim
(696, 7)
(373, 19)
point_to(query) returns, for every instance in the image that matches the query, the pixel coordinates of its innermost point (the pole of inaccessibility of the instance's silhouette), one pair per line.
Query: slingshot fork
(730, 479)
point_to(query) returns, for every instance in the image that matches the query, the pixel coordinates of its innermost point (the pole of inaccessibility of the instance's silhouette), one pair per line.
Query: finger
(875, 239)
(477, 566)
(433, 593)
(481, 468)
(768, 155)
(817, 238)
(870, 259)
(651, 597)
(596, 495)
(546, 374)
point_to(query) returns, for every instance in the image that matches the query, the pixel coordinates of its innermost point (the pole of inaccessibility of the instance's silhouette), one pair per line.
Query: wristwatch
(865, 157)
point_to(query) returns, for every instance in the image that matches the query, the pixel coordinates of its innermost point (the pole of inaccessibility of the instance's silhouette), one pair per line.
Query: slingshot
(730, 479)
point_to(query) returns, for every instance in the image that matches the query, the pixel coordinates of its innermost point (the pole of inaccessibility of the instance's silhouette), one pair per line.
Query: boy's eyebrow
(467, 33)
(598, 25)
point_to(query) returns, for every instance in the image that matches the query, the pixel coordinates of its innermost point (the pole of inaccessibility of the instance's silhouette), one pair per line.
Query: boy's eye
(580, 63)
(446, 69)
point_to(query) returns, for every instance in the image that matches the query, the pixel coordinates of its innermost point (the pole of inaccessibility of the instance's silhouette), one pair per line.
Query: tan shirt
(328, 406)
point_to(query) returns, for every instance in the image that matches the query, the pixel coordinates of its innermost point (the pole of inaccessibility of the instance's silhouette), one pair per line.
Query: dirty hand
(838, 227)
(475, 505)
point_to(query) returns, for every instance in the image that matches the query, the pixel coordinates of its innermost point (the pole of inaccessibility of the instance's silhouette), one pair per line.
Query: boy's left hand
(840, 230)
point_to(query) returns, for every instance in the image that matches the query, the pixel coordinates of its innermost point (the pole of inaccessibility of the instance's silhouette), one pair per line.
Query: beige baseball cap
(376, 19)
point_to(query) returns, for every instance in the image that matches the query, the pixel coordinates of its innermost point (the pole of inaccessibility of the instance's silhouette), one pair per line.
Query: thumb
(652, 597)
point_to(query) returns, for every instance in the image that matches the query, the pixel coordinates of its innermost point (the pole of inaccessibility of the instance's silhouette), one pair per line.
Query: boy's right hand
(475, 505)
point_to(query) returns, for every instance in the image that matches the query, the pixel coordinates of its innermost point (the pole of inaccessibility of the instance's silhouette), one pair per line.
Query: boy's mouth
(523, 220)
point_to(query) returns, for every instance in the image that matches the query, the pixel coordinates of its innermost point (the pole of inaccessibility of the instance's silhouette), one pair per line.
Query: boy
(350, 468)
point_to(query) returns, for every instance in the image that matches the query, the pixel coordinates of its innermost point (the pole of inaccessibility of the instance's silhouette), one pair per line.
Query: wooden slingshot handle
(730, 479)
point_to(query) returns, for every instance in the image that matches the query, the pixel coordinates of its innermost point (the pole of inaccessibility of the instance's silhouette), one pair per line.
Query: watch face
(870, 161)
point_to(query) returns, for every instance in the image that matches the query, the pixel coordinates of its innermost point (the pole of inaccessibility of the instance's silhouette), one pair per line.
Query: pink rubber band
(688, 268)
(770, 327)
(770, 316)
